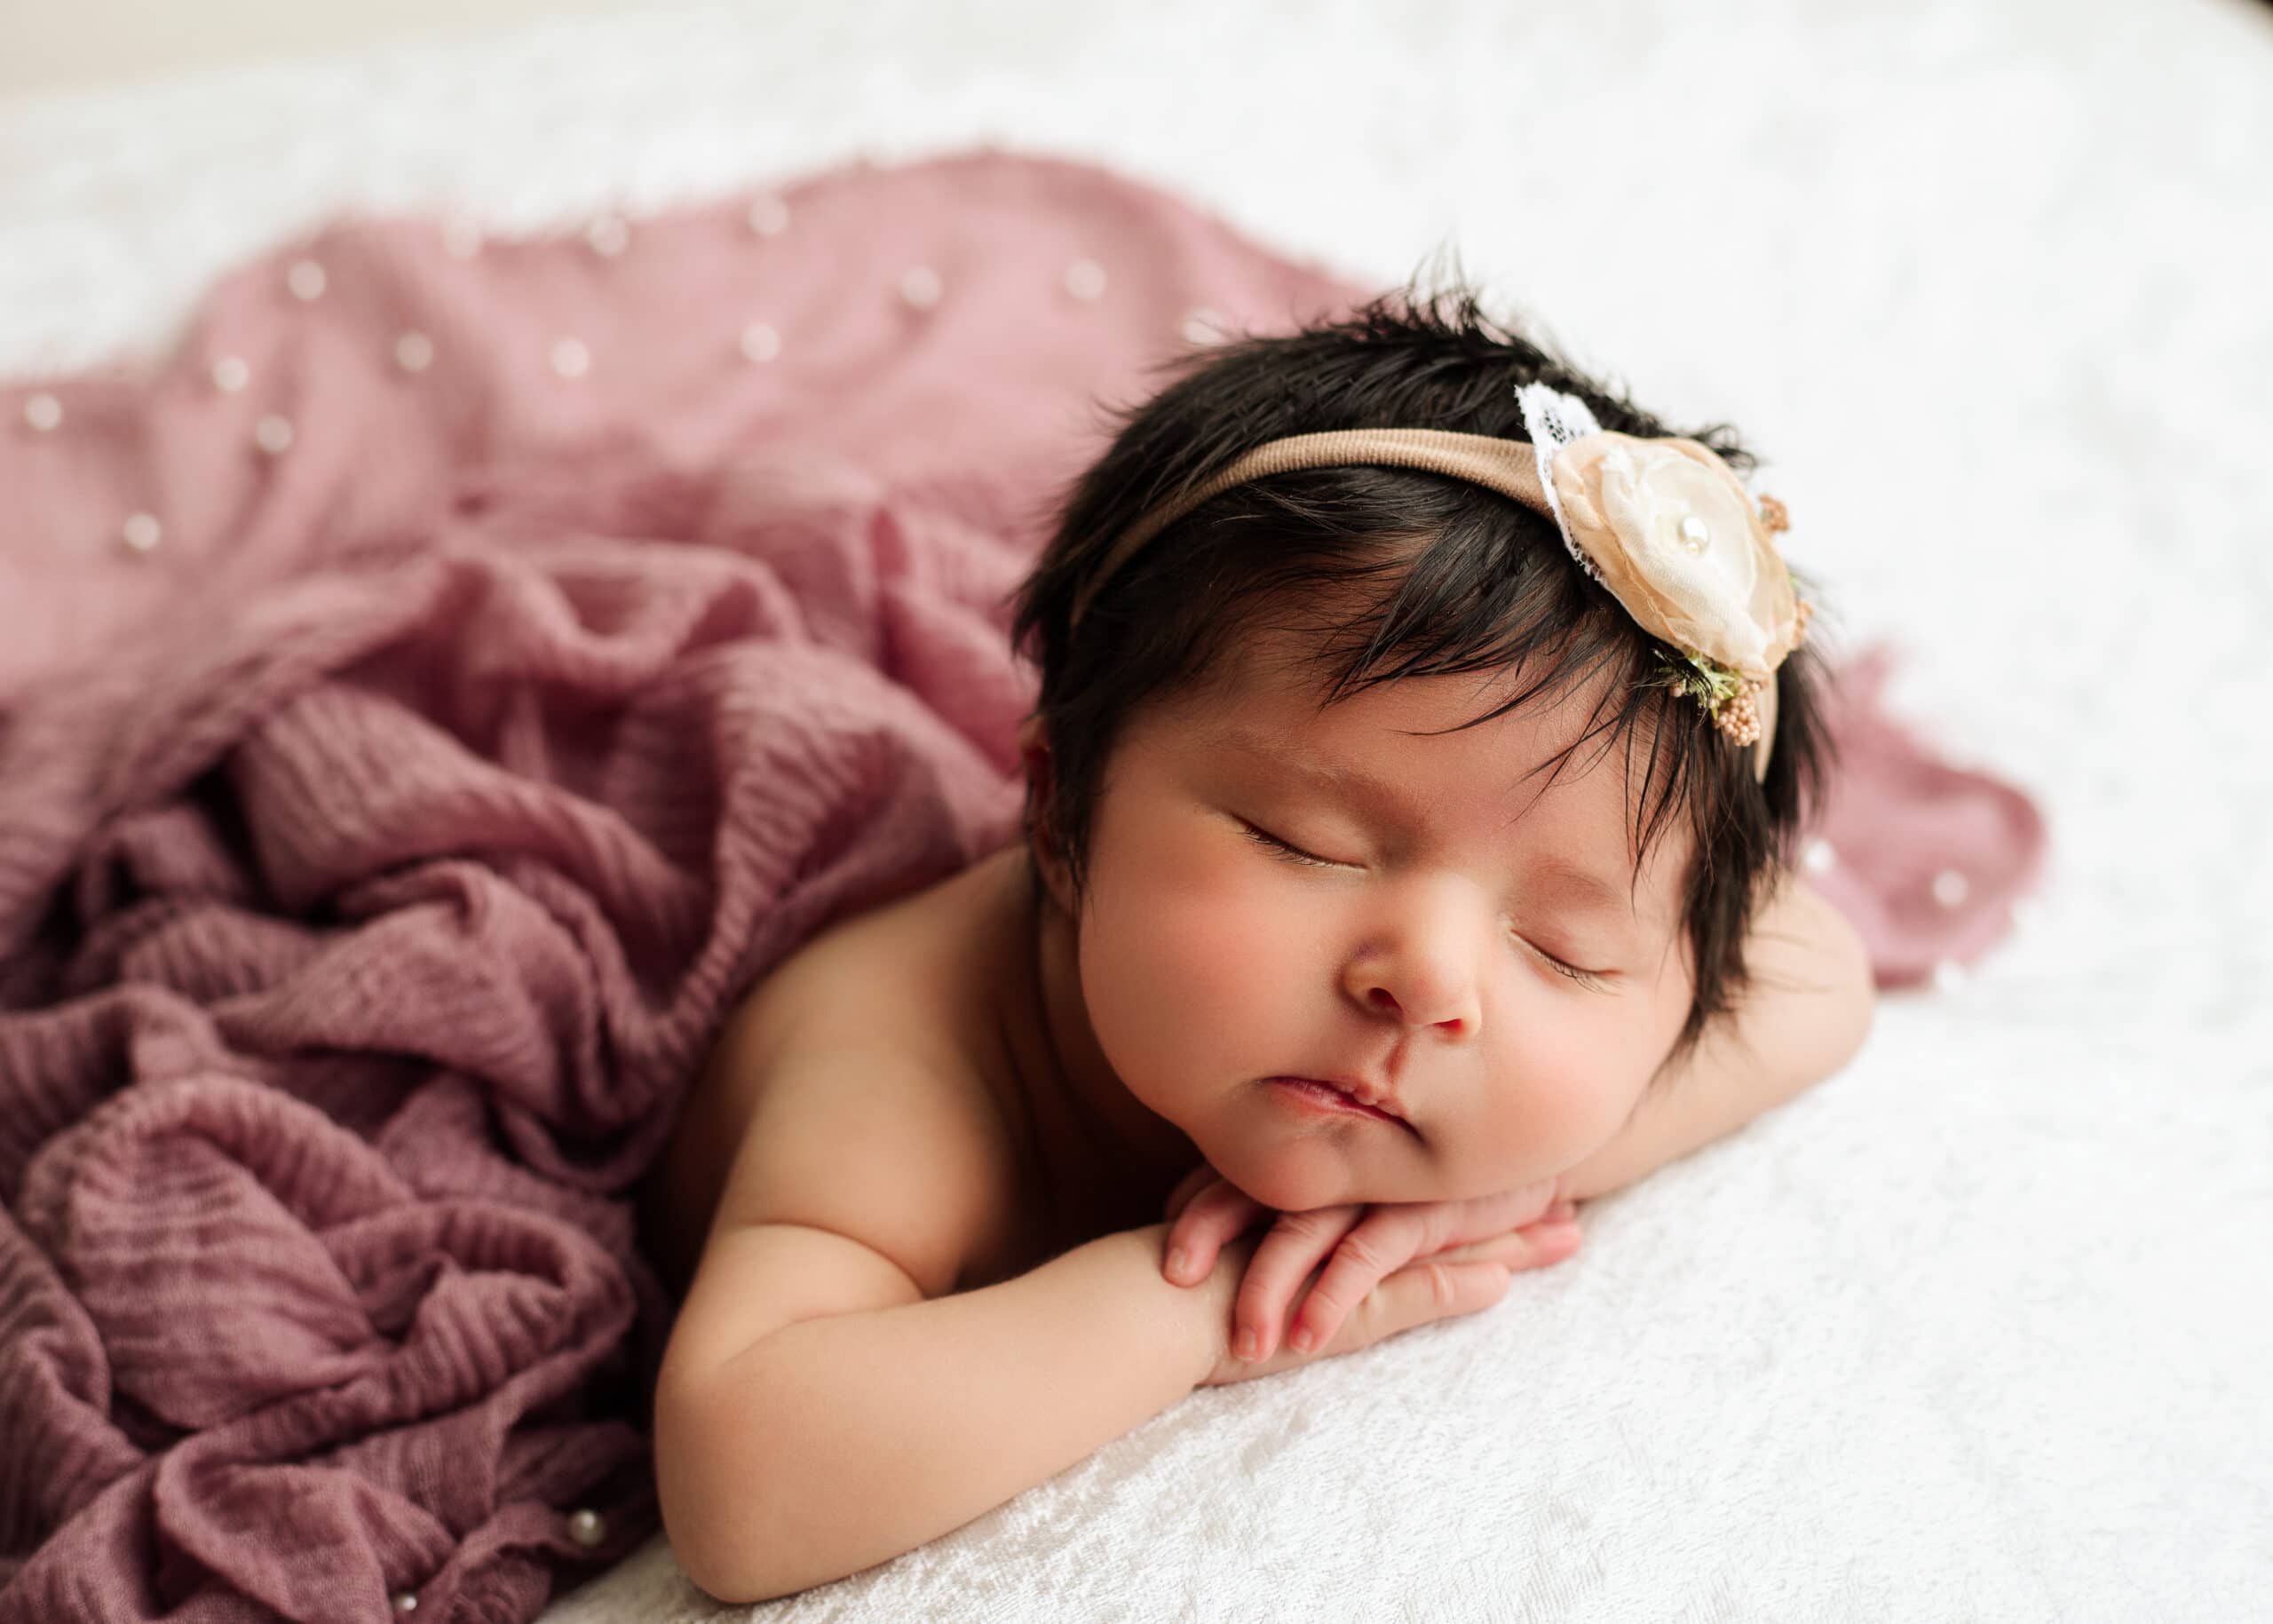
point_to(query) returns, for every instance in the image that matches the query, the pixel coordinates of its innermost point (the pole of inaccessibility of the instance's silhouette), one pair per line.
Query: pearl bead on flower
(44, 413)
(1696, 535)
(1818, 857)
(413, 352)
(1951, 888)
(1085, 280)
(230, 374)
(570, 358)
(306, 280)
(405, 1602)
(141, 532)
(272, 434)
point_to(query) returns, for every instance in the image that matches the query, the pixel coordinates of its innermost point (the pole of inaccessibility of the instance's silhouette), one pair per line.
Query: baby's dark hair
(1390, 573)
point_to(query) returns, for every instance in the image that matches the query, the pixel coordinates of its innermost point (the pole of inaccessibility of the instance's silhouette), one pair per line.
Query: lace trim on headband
(1553, 420)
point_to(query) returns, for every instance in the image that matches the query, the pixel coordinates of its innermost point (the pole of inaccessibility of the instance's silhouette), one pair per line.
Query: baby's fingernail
(1179, 1262)
(1562, 1212)
(1247, 1343)
(1303, 1339)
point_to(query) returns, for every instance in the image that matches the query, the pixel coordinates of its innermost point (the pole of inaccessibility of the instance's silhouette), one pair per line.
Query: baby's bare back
(893, 996)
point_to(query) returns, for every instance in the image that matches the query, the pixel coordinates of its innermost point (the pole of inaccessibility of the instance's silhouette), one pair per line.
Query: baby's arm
(842, 1439)
(829, 1400)
(1805, 1015)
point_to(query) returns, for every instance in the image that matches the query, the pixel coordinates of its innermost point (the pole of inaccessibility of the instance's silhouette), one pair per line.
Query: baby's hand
(1528, 1227)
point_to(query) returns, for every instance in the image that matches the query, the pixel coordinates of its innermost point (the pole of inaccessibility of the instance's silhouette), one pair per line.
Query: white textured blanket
(1982, 1327)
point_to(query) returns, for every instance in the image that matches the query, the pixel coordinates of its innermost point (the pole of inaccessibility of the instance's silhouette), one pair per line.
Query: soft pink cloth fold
(380, 852)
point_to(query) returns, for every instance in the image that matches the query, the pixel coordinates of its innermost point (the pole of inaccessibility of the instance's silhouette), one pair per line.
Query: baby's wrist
(1200, 1313)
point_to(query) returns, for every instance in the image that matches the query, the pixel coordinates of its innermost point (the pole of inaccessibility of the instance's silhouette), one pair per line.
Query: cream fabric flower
(1677, 538)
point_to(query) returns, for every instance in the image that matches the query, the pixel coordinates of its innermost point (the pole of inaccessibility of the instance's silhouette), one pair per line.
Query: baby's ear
(1034, 760)
(1041, 784)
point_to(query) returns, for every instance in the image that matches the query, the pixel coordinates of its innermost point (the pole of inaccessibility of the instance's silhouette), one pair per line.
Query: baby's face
(1429, 949)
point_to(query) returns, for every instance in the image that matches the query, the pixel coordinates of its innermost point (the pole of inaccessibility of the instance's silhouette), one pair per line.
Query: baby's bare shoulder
(849, 1092)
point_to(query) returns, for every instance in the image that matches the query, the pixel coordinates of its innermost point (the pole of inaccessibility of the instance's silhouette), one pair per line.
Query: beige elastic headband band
(1507, 466)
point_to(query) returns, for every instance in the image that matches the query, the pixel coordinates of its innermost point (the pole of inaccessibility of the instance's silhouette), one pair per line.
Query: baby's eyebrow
(1583, 889)
(1351, 783)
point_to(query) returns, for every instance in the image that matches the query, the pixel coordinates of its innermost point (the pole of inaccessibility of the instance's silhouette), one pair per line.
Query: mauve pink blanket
(426, 701)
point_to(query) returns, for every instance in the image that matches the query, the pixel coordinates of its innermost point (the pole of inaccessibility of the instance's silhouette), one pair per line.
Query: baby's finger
(1192, 1183)
(1297, 1243)
(1494, 1214)
(1419, 1293)
(1215, 1216)
(1369, 1254)
(1535, 1246)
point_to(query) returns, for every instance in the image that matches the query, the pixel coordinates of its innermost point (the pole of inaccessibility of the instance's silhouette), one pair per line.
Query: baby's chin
(1298, 1172)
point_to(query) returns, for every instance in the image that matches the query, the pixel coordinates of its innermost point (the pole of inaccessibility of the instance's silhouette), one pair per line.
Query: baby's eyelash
(1293, 853)
(1296, 854)
(1584, 978)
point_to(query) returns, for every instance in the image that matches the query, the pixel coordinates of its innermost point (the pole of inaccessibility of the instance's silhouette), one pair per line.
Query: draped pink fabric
(382, 838)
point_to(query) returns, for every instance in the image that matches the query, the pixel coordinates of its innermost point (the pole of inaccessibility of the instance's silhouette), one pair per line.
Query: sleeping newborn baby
(1423, 738)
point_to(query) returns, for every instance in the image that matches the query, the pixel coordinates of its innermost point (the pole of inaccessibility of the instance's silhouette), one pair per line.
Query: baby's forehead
(1502, 730)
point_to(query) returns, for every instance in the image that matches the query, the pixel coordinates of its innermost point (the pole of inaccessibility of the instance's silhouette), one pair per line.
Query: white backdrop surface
(1981, 1328)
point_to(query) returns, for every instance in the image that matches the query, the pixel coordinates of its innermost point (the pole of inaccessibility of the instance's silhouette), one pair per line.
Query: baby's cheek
(1184, 974)
(1203, 934)
(1583, 1116)
(1207, 942)
(1557, 1104)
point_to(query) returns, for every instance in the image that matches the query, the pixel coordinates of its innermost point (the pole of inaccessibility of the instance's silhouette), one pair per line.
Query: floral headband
(1664, 525)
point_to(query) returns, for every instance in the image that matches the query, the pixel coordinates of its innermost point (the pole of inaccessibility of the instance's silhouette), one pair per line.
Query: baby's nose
(1451, 1013)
